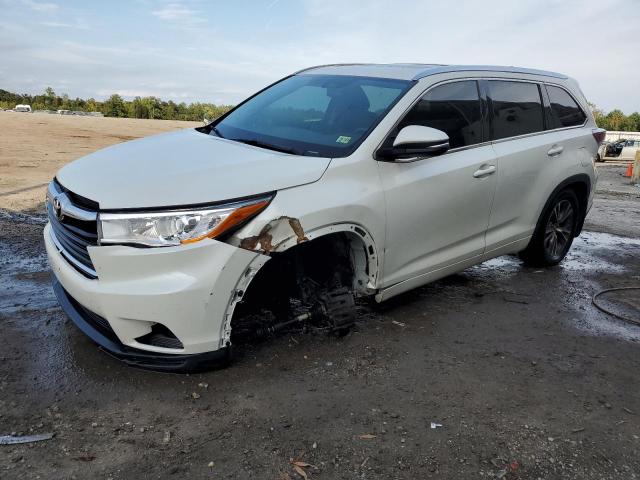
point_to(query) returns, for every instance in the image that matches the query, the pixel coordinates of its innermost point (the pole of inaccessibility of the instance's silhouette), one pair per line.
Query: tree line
(616, 120)
(116, 106)
(156, 108)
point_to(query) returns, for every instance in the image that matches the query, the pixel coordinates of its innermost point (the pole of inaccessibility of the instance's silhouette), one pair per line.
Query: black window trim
(586, 117)
(487, 112)
(483, 110)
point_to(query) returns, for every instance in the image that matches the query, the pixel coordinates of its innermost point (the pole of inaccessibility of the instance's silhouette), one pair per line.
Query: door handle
(555, 150)
(484, 171)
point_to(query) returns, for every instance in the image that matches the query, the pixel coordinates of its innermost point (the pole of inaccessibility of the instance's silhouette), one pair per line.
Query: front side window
(453, 108)
(564, 109)
(517, 108)
(313, 115)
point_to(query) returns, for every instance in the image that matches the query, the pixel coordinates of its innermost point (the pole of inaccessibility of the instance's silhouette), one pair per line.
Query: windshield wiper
(216, 131)
(269, 146)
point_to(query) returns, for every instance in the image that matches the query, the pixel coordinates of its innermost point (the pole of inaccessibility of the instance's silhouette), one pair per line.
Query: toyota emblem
(57, 208)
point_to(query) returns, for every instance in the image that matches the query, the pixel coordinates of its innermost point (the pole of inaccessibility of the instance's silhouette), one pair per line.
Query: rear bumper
(89, 324)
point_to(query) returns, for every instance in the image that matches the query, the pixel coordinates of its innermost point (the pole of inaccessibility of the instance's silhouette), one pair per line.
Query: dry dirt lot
(34, 146)
(526, 377)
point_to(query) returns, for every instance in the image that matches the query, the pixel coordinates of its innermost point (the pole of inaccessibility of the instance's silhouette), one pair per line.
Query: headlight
(157, 229)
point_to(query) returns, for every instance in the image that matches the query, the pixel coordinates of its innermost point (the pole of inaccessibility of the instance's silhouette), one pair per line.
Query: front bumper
(86, 322)
(189, 289)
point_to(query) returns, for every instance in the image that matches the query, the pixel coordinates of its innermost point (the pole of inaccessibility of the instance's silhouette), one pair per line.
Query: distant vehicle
(22, 108)
(616, 148)
(64, 112)
(629, 149)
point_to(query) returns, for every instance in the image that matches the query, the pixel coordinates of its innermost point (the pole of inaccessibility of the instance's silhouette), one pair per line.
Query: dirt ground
(33, 147)
(527, 379)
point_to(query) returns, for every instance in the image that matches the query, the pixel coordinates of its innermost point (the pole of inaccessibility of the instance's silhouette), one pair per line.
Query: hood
(184, 168)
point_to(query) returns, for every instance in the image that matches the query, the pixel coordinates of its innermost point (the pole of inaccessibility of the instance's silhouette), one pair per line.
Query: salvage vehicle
(335, 183)
(629, 149)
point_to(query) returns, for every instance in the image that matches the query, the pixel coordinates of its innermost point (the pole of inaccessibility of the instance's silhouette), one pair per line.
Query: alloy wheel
(557, 234)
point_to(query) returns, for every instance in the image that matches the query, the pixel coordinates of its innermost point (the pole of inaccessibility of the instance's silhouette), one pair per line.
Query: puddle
(602, 253)
(25, 283)
(591, 252)
(19, 217)
(594, 322)
(592, 255)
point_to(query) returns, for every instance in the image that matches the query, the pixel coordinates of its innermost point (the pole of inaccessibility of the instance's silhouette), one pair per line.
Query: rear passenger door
(533, 157)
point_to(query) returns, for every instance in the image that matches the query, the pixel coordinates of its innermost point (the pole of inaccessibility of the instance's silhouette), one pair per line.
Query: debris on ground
(299, 467)
(13, 440)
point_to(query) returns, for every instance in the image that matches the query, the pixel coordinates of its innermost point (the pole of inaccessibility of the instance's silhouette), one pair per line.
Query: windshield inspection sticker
(343, 139)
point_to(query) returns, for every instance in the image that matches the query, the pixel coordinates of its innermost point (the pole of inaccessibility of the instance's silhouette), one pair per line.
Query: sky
(223, 51)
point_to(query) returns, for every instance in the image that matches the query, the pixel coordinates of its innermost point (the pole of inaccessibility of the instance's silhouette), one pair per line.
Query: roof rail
(485, 68)
(328, 65)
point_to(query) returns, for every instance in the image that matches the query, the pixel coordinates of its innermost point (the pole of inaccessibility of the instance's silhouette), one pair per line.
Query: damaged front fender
(274, 235)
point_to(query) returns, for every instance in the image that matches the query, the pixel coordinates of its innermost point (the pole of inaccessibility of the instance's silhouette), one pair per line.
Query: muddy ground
(527, 378)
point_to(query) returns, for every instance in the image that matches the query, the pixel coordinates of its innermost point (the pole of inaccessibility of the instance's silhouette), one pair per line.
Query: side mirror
(414, 142)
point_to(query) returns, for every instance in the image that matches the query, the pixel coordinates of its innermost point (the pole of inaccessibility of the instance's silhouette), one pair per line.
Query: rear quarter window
(516, 107)
(564, 109)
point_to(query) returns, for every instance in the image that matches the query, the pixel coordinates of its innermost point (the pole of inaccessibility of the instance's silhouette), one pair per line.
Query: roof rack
(434, 69)
(330, 65)
(484, 68)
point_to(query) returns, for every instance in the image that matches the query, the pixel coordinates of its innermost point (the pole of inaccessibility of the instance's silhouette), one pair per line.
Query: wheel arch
(285, 235)
(581, 186)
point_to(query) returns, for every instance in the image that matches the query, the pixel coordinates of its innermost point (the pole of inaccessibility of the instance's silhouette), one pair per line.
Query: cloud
(178, 14)
(79, 25)
(41, 6)
(193, 51)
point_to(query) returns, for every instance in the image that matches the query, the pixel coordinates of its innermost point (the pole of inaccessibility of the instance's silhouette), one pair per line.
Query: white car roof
(414, 71)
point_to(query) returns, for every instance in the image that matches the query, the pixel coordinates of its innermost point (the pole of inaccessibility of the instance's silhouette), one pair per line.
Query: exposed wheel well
(292, 277)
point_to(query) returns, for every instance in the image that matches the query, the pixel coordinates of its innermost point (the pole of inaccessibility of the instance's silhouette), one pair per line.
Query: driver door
(438, 207)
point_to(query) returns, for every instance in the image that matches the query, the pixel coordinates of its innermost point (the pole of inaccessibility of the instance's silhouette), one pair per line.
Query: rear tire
(555, 232)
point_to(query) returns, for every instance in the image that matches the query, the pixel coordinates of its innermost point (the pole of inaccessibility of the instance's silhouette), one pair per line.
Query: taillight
(599, 134)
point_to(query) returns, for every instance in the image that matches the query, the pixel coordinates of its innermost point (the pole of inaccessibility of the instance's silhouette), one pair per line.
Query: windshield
(313, 115)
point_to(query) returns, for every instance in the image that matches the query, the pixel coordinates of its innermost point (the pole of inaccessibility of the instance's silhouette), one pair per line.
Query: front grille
(73, 229)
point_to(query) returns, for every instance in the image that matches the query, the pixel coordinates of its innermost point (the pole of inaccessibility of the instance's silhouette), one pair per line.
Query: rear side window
(453, 108)
(517, 108)
(564, 109)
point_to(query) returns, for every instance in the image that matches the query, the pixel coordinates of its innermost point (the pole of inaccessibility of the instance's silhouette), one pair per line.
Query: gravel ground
(526, 378)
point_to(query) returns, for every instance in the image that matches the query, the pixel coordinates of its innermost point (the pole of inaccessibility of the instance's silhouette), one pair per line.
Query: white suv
(337, 182)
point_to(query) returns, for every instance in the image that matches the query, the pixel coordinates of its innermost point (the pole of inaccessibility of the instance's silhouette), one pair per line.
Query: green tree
(49, 98)
(633, 122)
(615, 120)
(114, 107)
